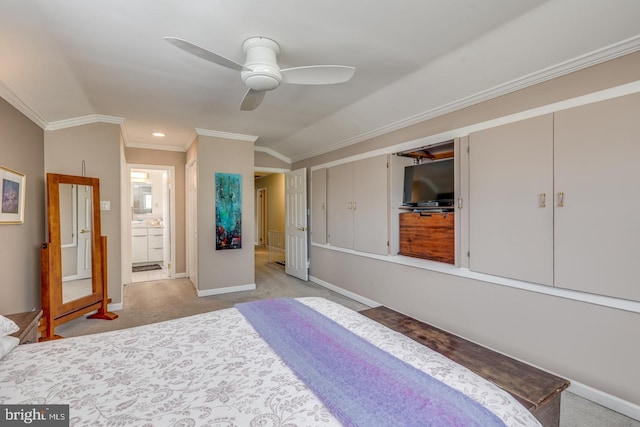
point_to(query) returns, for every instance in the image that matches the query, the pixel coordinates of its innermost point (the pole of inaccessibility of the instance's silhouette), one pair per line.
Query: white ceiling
(67, 62)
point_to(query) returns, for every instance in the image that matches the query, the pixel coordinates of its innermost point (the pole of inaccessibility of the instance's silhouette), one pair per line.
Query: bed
(216, 369)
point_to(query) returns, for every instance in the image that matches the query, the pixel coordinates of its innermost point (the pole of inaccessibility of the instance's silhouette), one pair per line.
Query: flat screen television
(429, 184)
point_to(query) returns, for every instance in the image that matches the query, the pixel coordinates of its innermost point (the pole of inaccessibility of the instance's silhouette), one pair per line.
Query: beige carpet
(150, 302)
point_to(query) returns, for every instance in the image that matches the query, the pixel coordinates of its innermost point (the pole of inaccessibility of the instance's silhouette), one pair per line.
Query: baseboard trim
(607, 400)
(349, 294)
(220, 291)
(180, 275)
(116, 306)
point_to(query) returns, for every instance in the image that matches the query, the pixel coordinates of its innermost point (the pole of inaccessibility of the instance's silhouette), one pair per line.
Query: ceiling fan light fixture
(261, 66)
(261, 72)
(261, 81)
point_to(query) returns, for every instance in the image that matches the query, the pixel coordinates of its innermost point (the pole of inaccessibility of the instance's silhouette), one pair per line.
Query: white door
(84, 231)
(192, 222)
(261, 202)
(296, 224)
(167, 182)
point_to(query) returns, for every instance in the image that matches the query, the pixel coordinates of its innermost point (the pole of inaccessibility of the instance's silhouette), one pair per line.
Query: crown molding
(156, 147)
(226, 135)
(273, 153)
(84, 120)
(270, 170)
(190, 141)
(581, 62)
(19, 105)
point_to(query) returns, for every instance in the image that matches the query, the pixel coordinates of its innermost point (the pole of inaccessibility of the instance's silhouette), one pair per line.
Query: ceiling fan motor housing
(261, 60)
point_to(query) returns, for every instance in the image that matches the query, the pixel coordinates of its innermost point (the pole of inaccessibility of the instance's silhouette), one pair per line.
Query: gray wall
(594, 345)
(22, 150)
(233, 267)
(98, 144)
(266, 160)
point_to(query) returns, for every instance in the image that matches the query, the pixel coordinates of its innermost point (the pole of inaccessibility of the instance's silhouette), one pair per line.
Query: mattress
(210, 369)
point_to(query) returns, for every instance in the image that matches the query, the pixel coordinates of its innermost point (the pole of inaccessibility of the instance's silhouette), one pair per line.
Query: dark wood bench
(537, 390)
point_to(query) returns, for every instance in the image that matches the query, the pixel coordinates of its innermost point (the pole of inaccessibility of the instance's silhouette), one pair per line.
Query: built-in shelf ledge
(440, 267)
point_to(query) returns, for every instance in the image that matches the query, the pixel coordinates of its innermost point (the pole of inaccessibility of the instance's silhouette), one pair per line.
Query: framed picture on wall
(228, 211)
(12, 186)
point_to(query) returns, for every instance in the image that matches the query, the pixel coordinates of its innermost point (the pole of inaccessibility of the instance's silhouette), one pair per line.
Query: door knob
(85, 231)
(302, 228)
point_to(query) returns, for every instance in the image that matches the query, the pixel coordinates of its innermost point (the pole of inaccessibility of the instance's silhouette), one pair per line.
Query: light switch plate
(105, 205)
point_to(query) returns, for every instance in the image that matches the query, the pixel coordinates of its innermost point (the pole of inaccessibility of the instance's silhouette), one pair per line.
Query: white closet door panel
(371, 205)
(597, 232)
(319, 206)
(340, 205)
(510, 168)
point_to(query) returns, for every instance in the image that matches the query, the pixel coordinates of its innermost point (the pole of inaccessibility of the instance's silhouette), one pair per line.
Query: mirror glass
(142, 200)
(75, 237)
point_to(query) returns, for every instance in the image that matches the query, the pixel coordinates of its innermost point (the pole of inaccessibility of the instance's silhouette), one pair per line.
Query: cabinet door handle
(350, 205)
(354, 205)
(561, 199)
(543, 200)
(459, 202)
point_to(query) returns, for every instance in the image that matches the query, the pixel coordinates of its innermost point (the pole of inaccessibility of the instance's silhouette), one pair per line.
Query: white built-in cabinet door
(597, 230)
(357, 205)
(340, 205)
(319, 206)
(554, 199)
(511, 200)
(371, 209)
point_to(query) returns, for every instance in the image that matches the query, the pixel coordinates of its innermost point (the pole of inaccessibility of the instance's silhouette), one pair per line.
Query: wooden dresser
(28, 324)
(428, 235)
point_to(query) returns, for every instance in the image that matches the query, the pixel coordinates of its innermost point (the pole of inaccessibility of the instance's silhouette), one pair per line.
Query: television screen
(427, 183)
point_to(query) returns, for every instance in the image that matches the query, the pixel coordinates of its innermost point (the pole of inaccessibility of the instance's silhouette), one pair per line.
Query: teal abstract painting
(228, 211)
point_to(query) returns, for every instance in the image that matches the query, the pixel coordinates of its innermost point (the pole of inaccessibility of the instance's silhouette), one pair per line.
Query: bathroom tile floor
(146, 276)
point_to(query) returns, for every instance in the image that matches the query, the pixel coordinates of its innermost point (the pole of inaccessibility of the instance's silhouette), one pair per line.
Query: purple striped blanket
(361, 384)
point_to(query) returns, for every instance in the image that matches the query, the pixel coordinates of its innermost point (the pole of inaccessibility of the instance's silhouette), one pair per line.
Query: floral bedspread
(211, 369)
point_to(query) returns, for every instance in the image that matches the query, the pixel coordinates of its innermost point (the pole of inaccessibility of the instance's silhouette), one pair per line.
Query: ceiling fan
(260, 71)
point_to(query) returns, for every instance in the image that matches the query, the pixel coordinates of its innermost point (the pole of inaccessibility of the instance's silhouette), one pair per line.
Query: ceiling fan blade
(317, 74)
(205, 54)
(252, 99)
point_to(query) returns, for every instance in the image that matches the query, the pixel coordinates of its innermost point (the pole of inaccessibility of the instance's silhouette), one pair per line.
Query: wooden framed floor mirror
(74, 260)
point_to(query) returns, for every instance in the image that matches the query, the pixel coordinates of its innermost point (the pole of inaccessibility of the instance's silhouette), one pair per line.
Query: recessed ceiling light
(159, 134)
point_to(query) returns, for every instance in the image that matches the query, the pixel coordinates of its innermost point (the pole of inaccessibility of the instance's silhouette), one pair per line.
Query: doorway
(151, 215)
(192, 221)
(261, 220)
(281, 219)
